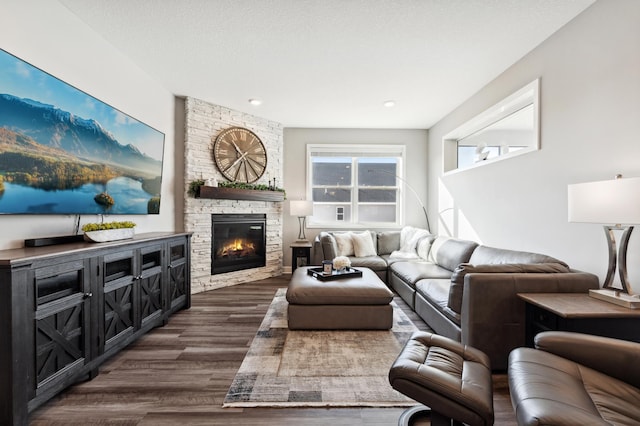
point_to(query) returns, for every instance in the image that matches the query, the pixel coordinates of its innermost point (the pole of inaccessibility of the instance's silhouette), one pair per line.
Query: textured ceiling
(328, 63)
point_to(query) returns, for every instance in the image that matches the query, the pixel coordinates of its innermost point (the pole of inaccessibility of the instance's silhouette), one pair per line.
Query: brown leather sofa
(576, 379)
(466, 291)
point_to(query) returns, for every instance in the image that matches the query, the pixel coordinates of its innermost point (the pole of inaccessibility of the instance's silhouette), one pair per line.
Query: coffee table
(358, 303)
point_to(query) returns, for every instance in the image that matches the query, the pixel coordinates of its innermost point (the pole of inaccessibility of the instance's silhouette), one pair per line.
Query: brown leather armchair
(576, 379)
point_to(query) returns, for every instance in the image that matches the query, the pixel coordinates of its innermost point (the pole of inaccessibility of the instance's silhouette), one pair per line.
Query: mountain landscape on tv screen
(52, 161)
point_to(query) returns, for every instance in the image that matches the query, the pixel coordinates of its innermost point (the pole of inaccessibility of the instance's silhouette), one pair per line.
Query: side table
(578, 312)
(300, 254)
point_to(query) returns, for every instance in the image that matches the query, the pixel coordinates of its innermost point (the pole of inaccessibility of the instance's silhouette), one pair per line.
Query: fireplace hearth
(238, 242)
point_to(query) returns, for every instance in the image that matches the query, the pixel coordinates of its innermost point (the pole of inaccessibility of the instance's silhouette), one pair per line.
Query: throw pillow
(424, 246)
(409, 237)
(388, 241)
(344, 243)
(329, 245)
(363, 244)
(435, 247)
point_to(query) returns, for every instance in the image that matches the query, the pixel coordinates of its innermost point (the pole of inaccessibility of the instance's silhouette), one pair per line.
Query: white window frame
(357, 151)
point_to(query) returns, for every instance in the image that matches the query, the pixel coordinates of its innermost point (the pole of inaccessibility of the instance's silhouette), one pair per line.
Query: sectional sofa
(461, 289)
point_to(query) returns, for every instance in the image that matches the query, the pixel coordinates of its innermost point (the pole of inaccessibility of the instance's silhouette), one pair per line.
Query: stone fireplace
(203, 122)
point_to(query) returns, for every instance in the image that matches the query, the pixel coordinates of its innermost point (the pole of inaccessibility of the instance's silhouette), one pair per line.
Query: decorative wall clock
(240, 155)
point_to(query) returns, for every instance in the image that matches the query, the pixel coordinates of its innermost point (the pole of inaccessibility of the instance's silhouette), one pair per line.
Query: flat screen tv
(62, 151)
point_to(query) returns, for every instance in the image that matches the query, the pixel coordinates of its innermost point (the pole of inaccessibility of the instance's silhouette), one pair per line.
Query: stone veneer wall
(203, 122)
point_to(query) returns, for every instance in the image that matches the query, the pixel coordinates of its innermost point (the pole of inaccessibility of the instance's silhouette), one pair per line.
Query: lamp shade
(615, 201)
(301, 208)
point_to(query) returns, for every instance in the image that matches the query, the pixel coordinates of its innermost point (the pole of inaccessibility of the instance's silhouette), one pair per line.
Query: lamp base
(616, 297)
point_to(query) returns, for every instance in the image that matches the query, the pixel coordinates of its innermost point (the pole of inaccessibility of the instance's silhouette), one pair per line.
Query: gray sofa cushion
(329, 245)
(375, 263)
(412, 272)
(457, 278)
(391, 260)
(453, 252)
(436, 292)
(490, 255)
(388, 242)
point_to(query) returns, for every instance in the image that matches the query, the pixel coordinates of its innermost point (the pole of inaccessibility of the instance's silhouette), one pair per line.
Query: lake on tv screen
(127, 193)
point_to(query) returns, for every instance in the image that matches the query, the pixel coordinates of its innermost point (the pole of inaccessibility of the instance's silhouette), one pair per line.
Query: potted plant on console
(108, 231)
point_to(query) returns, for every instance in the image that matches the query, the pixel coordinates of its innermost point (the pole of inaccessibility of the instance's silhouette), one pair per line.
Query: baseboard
(616, 297)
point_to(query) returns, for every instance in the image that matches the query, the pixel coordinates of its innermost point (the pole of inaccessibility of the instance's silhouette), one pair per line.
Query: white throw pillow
(363, 244)
(344, 243)
(409, 238)
(424, 246)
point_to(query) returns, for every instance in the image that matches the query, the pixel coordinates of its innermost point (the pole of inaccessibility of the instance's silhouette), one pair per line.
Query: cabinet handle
(88, 295)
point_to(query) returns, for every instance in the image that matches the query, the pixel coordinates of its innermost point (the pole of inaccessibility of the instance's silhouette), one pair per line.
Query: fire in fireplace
(240, 247)
(237, 242)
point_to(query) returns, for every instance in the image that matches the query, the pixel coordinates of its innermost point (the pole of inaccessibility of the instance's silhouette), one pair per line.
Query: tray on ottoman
(335, 275)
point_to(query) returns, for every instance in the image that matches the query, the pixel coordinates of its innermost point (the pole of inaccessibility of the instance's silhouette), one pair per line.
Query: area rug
(286, 368)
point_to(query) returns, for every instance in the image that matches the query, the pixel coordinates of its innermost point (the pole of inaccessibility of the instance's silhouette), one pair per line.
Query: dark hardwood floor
(179, 374)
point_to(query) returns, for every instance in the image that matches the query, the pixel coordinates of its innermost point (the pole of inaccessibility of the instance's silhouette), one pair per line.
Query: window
(506, 130)
(355, 185)
(468, 155)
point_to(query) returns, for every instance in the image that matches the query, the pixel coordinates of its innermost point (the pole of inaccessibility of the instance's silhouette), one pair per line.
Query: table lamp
(615, 204)
(302, 209)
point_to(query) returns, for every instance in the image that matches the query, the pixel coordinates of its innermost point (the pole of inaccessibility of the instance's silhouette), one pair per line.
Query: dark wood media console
(65, 309)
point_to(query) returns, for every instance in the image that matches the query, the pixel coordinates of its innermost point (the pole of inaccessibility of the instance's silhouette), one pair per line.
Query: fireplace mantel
(215, 192)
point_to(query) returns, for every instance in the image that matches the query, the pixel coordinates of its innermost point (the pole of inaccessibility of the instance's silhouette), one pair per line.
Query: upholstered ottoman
(359, 303)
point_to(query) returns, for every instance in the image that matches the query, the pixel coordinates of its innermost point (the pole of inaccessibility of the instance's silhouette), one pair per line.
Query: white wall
(295, 145)
(590, 127)
(48, 36)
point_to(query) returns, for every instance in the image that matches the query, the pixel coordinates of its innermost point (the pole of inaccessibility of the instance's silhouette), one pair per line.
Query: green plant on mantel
(194, 187)
(107, 225)
(251, 186)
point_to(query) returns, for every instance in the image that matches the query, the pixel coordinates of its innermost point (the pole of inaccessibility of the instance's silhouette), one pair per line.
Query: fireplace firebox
(238, 242)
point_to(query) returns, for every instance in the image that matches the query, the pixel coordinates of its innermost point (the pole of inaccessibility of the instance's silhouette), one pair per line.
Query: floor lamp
(615, 204)
(302, 209)
(424, 209)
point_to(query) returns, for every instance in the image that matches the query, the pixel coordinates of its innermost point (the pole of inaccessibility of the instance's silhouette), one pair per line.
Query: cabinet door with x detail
(62, 325)
(118, 304)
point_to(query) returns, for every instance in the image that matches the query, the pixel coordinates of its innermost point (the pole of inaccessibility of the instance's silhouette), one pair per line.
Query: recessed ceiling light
(255, 102)
(389, 104)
